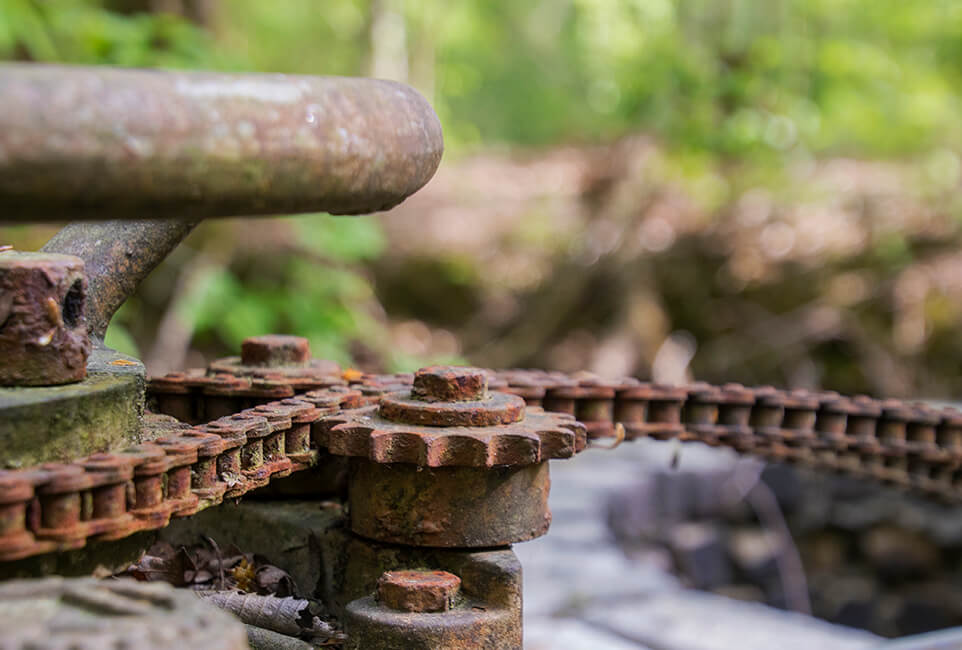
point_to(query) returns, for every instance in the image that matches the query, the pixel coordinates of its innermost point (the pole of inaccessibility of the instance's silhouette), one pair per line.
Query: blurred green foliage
(736, 77)
(78, 31)
(315, 292)
(746, 86)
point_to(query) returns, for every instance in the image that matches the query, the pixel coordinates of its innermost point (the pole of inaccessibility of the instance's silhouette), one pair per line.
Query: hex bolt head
(450, 384)
(418, 590)
(43, 330)
(272, 350)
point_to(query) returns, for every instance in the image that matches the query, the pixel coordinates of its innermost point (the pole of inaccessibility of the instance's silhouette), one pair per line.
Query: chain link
(258, 431)
(907, 444)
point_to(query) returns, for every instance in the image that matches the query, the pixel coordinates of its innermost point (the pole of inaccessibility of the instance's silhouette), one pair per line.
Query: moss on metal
(61, 423)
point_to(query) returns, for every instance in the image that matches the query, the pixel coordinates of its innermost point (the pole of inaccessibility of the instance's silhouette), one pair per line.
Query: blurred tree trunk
(387, 40)
(423, 64)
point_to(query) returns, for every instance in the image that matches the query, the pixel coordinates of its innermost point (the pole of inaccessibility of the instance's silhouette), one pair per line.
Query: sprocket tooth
(580, 432)
(515, 448)
(458, 449)
(398, 447)
(396, 432)
(558, 443)
(350, 439)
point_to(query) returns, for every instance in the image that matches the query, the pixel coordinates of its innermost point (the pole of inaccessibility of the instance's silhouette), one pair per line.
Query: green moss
(61, 423)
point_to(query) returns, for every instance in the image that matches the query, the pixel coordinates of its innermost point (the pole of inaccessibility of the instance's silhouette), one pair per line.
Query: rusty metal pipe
(108, 143)
(117, 255)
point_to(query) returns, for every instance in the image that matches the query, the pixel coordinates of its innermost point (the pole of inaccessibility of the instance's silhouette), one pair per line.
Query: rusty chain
(108, 496)
(907, 444)
(264, 427)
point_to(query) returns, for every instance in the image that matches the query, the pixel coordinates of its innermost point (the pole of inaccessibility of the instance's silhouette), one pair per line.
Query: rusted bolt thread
(450, 384)
(418, 590)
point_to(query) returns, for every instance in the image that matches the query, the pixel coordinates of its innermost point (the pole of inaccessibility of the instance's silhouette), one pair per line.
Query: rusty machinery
(445, 469)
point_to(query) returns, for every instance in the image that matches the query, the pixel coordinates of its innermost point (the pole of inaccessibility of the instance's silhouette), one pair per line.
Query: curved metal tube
(108, 143)
(117, 255)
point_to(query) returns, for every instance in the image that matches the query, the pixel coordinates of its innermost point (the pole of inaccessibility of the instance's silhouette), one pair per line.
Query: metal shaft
(108, 143)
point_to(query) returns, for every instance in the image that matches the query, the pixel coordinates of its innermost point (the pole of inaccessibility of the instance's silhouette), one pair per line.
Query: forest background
(765, 191)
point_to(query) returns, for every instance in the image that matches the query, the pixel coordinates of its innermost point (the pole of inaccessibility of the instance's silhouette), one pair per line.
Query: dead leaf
(275, 581)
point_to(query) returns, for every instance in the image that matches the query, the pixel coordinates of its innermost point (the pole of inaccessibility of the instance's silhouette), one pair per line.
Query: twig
(748, 486)
(220, 561)
(619, 438)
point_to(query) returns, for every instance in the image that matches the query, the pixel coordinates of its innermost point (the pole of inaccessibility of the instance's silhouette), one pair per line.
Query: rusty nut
(43, 331)
(450, 384)
(272, 350)
(418, 590)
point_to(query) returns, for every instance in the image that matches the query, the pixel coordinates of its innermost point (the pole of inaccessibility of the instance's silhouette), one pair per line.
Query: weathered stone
(755, 553)
(96, 558)
(57, 613)
(261, 639)
(824, 551)
(699, 552)
(304, 538)
(687, 620)
(743, 592)
(846, 598)
(923, 607)
(898, 554)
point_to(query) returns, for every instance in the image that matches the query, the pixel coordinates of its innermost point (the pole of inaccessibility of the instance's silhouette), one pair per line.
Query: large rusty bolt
(273, 350)
(450, 384)
(43, 330)
(418, 590)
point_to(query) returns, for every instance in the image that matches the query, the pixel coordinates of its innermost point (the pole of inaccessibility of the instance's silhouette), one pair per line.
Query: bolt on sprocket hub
(448, 464)
(436, 425)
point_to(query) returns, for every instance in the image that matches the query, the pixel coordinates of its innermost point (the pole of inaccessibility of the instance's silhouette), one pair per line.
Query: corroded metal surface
(117, 256)
(43, 331)
(62, 614)
(196, 397)
(487, 613)
(450, 507)
(281, 357)
(422, 428)
(538, 437)
(905, 444)
(59, 506)
(100, 143)
(418, 590)
(61, 423)
(450, 384)
(449, 396)
(275, 350)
